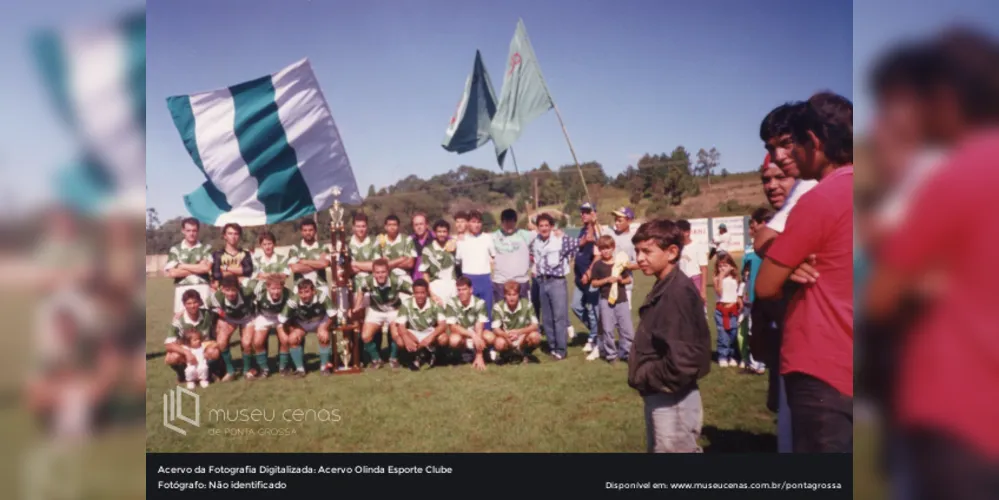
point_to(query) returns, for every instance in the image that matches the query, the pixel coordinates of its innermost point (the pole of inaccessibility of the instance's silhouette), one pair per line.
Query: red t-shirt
(950, 360)
(818, 329)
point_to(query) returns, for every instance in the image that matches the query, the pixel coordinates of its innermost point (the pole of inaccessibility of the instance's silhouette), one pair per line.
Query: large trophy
(347, 331)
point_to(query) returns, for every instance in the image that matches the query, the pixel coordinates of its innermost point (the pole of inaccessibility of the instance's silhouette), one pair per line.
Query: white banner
(699, 231)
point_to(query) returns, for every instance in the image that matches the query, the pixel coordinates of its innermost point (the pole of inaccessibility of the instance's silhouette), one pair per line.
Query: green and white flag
(269, 149)
(524, 97)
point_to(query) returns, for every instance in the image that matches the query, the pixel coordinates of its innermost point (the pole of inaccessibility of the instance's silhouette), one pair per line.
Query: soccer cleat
(326, 372)
(229, 377)
(265, 374)
(557, 357)
(375, 365)
(249, 376)
(594, 354)
(190, 386)
(433, 359)
(204, 383)
(394, 363)
(300, 373)
(284, 372)
(588, 347)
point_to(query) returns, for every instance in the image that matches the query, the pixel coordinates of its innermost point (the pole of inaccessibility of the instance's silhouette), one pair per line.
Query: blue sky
(628, 77)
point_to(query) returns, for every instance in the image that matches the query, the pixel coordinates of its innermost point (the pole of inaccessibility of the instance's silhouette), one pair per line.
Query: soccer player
(384, 290)
(438, 264)
(232, 260)
(270, 264)
(466, 317)
(269, 302)
(397, 249)
(515, 327)
(309, 311)
(308, 260)
(363, 250)
(419, 325)
(233, 306)
(189, 264)
(193, 316)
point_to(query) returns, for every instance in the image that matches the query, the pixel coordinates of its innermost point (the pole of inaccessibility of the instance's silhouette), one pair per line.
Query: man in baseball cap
(586, 299)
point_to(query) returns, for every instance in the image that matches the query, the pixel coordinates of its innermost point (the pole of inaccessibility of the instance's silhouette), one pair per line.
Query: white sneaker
(570, 334)
(723, 363)
(594, 354)
(742, 365)
(190, 386)
(588, 347)
(204, 383)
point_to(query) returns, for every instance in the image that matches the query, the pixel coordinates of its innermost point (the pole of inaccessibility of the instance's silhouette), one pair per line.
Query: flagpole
(571, 149)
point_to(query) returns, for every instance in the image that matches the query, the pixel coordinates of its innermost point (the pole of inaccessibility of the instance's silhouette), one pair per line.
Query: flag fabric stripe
(269, 158)
(469, 127)
(135, 33)
(268, 147)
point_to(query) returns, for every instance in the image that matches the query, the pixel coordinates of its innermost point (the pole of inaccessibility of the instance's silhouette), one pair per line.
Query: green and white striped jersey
(262, 264)
(437, 263)
(181, 253)
(385, 298)
(242, 308)
(506, 319)
(203, 324)
(362, 251)
(319, 307)
(402, 247)
(466, 316)
(301, 251)
(420, 319)
(264, 304)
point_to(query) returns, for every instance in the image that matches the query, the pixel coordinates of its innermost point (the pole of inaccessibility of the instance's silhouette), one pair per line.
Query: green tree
(371, 191)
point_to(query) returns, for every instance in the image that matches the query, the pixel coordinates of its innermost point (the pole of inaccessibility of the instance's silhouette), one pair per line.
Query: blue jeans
(482, 287)
(586, 307)
(728, 340)
(555, 313)
(616, 316)
(673, 422)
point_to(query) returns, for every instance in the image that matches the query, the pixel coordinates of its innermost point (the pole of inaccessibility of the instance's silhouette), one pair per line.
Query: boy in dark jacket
(672, 348)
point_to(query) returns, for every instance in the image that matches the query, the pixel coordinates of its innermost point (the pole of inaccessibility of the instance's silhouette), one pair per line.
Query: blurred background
(72, 223)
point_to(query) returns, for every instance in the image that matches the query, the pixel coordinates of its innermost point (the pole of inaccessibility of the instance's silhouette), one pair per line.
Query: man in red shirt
(817, 348)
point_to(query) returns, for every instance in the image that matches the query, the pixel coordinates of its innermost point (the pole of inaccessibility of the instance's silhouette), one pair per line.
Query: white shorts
(310, 326)
(239, 322)
(445, 289)
(380, 318)
(266, 321)
(178, 292)
(422, 334)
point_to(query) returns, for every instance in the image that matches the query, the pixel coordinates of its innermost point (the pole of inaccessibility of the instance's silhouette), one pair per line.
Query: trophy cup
(347, 348)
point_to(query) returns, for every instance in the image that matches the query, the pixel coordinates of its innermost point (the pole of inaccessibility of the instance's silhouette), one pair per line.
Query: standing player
(466, 316)
(270, 264)
(232, 260)
(515, 327)
(269, 302)
(189, 264)
(419, 325)
(363, 250)
(306, 312)
(438, 264)
(400, 253)
(233, 307)
(308, 260)
(384, 290)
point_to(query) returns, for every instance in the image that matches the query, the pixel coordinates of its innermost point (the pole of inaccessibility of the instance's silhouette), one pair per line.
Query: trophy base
(349, 370)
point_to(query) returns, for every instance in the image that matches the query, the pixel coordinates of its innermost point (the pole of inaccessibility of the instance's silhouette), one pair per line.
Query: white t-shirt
(692, 258)
(780, 218)
(729, 291)
(475, 254)
(723, 241)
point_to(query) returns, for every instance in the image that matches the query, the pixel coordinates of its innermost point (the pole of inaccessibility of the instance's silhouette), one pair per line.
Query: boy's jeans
(617, 316)
(673, 422)
(586, 306)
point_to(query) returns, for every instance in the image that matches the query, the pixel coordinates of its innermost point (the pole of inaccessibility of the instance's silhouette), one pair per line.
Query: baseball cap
(586, 206)
(722, 226)
(624, 212)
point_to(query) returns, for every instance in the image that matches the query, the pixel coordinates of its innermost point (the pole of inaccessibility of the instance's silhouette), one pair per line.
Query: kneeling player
(419, 324)
(515, 327)
(309, 311)
(233, 306)
(466, 316)
(269, 303)
(383, 291)
(193, 317)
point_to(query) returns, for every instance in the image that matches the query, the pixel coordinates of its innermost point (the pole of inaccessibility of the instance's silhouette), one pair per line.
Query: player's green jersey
(402, 246)
(319, 306)
(385, 298)
(522, 317)
(203, 324)
(301, 251)
(275, 264)
(183, 254)
(267, 306)
(466, 316)
(437, 263)
(418, 319)
(362, 251)
(241, 308)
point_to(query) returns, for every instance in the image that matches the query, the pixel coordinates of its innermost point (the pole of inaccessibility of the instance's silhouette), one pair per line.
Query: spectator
(751, 263)
(586, 299)
(421, 238)
(551, 265)
(513, 256)
(694, 260)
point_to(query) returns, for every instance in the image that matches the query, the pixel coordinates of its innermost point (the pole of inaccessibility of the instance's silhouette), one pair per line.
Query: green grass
(568, 406)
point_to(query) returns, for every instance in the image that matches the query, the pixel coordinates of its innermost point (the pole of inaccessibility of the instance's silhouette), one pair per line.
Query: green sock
(325, 353)
(298, 357)
(262, 361)
(393, 350)
(372, 349)
(227, 359)
(282, 360)
(247, 362)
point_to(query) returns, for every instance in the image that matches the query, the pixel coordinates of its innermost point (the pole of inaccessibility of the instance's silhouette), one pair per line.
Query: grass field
(567, 406)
